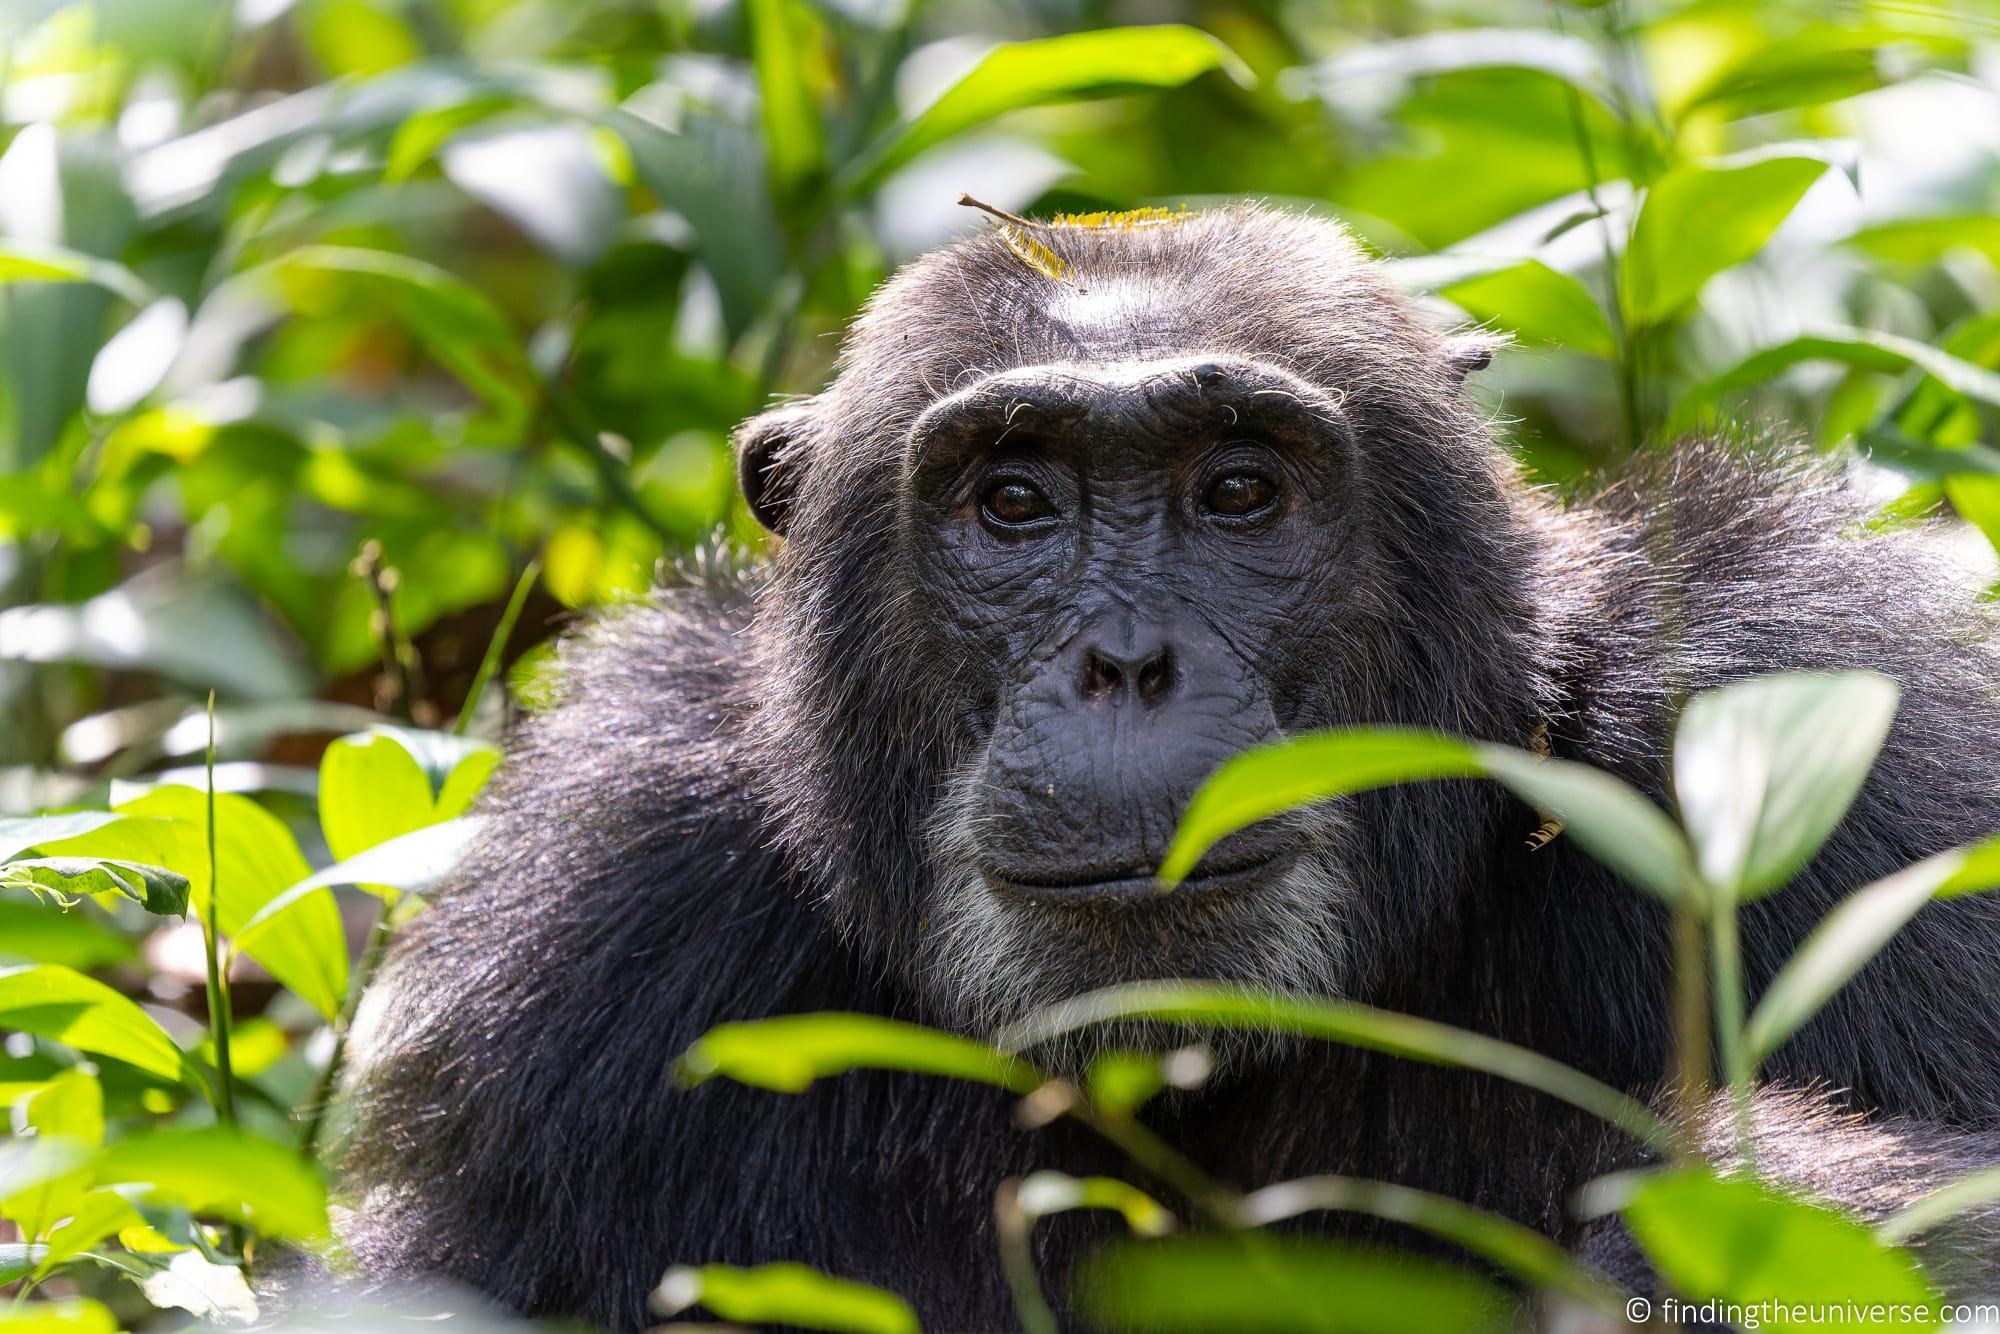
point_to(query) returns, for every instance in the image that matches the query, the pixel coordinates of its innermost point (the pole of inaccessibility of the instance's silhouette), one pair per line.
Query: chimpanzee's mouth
(1135, 888)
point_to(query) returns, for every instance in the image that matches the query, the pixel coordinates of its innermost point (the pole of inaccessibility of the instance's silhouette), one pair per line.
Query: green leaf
(1269, 779)
(1079, 65)
(29, 263)
(1733, 1239)
(95, 1215)
(1610, 820)
(257, 859)
(1926, 240)
(1862, 349)
(411, 863)
(787, 1294)
(1255, 1282)
(370, 791)
(1822, 64)
(1044, 1194)
(1855, 932)
(782, 35)
(1219, 1005)
(21, 834)
(1765, 769)
(70, 1105)
(791, 1051)
(1538, 305)
(74, 1316)
(222, 1173)
(158, 889)
(1699, 220)
(63, 1005)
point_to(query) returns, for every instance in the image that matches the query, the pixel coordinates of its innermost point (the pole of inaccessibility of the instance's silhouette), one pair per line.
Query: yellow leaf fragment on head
(1131, 217)
(1034, 254)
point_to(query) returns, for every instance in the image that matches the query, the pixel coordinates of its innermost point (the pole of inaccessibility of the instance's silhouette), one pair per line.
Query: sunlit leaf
(1220, 1005)
(257, 859)
(69, 1316)
(25, 262)
(1051, 69)
(1270, 779)
(408, 864)
(1043, 1194)
(1863, 349)
(1255, 1282)
(1698, 220)
(786, 1294)
(1733, 1239)
(1855, 932)
(791, 1051)
(222, 1173)
(19, 834)
(1765, 769)
(370, 790)
(1538, 305)
(1613, 822)
(70, 1105)
(65, 1006)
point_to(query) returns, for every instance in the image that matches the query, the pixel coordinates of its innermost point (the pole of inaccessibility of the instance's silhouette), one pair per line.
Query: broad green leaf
(1733, 1239)
(411, 863)
(786, 1294)
(1765, 769)
(783, 38)
(1256, 1282)
(1571, 60)
(21, 834)
(1855, 932)
(791, 1051)
(1219, 1005)
(1538, 305)
(1975, 1190)
(1863, 349)
(1521, 1251)
(222, 1173)
(257, 859)
(1263, 782)
(155, 887)
(1051, 69)
(1822, 64)
(370, 791)
(1925, 240)
(95, 1215)
(418, 139)
(1698, 220)
(71, 1316)
(65, 1006)
(22, 262)
(70, 1105)
(1613, 822)
(37, 932)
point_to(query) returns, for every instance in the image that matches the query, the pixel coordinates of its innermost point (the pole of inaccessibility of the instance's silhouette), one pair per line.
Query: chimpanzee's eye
(1237, 495)
(1012, 502)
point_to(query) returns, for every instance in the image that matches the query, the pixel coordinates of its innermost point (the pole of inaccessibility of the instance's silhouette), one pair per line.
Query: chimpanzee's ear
(772, 450)
(1471, 350)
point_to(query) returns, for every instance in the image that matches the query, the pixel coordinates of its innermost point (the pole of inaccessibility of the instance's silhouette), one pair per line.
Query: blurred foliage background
(329, 326)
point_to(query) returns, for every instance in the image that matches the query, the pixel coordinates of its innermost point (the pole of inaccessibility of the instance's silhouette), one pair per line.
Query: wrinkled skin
(1046, 554)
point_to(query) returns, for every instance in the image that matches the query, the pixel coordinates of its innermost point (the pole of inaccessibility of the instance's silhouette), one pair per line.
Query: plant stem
(320, 1099)
(218, 980)
(399, 656)
(1017, 1258)
(1691, 1021)
(1728, 962)
(496, 647)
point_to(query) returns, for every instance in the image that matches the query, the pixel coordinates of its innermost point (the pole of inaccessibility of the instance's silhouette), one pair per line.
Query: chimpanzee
(1090, 507)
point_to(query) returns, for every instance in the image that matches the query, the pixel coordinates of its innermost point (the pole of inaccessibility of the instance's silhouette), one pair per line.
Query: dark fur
(724, 819)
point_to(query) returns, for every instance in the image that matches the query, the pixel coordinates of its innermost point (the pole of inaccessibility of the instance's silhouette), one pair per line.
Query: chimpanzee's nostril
(1156, 676)
(1101, 676)
(1149, 679)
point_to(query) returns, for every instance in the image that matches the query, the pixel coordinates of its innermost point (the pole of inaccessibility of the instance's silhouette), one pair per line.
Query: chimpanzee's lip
(1082, 890)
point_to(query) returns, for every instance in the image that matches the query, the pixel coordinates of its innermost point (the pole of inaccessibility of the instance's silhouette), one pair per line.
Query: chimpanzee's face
(1138, 568)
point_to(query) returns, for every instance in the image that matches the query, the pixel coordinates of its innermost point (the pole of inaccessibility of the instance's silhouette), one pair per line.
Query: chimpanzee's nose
(1136, 666)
